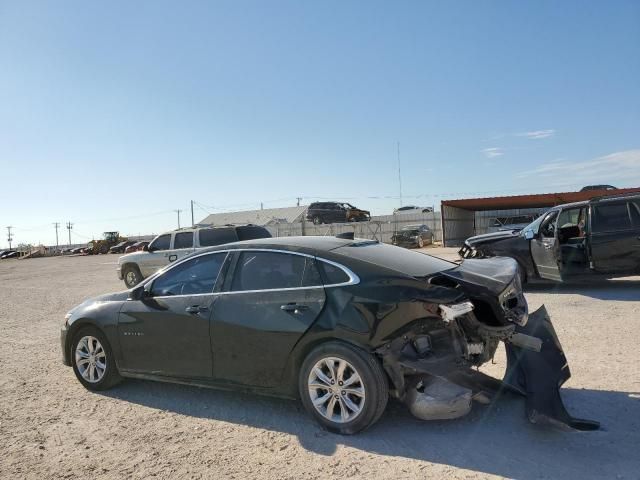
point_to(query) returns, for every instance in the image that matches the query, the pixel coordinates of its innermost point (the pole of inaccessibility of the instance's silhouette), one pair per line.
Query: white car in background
(171, 246)
(412, 209)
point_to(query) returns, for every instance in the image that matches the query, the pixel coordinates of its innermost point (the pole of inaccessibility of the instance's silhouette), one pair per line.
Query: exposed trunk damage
(431, 364)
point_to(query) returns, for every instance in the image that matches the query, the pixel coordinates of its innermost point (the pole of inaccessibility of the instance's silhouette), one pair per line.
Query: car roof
(307, 244)
(605, 198)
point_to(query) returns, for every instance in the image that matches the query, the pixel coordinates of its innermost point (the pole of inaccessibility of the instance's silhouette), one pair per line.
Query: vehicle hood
(133, 257)
(94, 303)
(492, 275)
(491, 237)
(359, 210)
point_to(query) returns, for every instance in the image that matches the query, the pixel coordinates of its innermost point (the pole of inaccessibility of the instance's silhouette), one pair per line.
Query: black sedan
(413, 236)
(340, 323)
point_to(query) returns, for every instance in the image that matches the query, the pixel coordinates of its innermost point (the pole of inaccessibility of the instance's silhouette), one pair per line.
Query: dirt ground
(51, 427)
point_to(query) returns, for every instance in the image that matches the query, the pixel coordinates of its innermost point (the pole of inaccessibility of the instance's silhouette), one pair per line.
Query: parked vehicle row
(340, 323)
(598, 237)
(336, 212)
(171, 246)
(9, 254)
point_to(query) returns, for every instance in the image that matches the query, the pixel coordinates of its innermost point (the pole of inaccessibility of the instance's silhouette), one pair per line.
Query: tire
(420, 242)
(86, 342)
(131, 275)
(371, 386)
(317, 220)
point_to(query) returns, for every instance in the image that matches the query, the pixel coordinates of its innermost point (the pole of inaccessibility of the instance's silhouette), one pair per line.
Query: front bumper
(405, 243)
(63, 344)
(119, 272)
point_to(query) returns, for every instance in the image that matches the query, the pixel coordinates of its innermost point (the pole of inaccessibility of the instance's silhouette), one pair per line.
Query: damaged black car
(340, 323)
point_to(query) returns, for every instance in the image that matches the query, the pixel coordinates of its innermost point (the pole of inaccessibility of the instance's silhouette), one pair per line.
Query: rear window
(610, 217)
(251, 232)
(396, 258)
(211, 237)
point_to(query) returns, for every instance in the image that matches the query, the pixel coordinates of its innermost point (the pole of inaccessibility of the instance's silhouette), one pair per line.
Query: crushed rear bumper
(536, 369)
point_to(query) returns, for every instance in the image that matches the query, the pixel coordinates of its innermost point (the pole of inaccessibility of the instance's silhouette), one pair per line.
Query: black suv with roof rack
(600, 236)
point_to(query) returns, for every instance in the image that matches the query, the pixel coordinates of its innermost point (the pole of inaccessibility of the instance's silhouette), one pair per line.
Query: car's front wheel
(93, 361)
(317, 220)
(420, 242)
(343, 387)
(131, 275)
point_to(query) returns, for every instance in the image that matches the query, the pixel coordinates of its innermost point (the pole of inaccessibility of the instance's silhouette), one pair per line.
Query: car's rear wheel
(93, 361)
(317, 220)
(131, 275)
(343, 387)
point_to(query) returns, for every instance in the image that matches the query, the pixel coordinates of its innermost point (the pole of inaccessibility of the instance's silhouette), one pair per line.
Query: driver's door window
(163, 242)
(193, 277)
(548, 227)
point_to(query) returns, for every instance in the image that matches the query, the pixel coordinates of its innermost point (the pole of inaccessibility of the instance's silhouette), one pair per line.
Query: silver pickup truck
(171, 246)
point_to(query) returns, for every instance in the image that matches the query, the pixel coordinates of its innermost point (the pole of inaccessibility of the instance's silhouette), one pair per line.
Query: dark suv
(336, 212)
(599, 236)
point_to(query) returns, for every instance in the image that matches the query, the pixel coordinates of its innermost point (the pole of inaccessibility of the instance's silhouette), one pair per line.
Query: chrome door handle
(196, 309)
(293, 307)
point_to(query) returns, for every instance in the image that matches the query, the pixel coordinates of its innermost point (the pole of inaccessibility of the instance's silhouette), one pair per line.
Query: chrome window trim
(353, 278)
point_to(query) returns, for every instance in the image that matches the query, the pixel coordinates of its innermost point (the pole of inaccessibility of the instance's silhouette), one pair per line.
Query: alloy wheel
(336, 390)
(91, 359)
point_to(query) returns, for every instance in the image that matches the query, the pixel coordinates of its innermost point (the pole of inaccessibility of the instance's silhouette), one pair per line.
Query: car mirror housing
(528, 234)
(147, 249)
(138, 293)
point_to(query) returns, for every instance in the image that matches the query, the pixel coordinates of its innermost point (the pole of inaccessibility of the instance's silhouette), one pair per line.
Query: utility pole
(399, 175)
(69, 227)
(56, 225)
(178, 212)
(9, 237)
(261, 206)
(298, 199)
(193, 223)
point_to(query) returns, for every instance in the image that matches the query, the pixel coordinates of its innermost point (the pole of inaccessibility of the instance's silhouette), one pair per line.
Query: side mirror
(528, 234)
(146, 249)
(139, 293)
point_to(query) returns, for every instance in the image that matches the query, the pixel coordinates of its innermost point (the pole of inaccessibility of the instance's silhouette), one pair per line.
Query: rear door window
(183, 240)
(210, 237)
(274, 270)
(610, 217)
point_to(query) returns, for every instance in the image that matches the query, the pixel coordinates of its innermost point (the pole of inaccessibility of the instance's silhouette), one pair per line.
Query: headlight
(451, 312)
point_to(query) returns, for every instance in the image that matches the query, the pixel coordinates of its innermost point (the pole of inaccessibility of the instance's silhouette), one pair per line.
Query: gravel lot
(51, 427)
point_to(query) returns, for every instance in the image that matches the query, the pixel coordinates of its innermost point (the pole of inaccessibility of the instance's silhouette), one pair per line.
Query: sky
(115, 114)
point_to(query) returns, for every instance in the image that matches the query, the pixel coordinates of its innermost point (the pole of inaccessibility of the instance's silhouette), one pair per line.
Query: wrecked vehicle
(598, 237)
(340, 323)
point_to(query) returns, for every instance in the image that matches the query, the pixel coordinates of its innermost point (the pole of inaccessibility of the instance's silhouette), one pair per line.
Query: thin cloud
(618, 166)
(493, 152)
(537, 134)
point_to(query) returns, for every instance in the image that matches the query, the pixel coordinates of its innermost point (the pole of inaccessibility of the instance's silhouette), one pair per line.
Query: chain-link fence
(380, 228)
